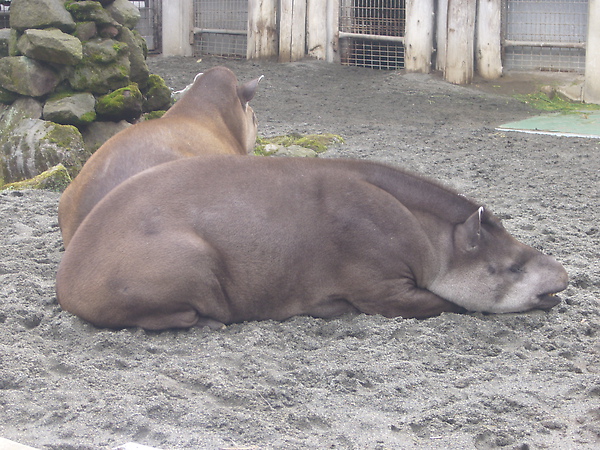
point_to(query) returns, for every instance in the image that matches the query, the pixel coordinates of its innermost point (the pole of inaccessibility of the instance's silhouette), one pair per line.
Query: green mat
(581, 124)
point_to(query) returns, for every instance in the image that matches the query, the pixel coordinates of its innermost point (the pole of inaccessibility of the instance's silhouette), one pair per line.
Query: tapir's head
(216, 93)
(490, 271)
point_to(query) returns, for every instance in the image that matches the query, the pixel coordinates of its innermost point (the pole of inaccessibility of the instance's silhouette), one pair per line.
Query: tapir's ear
(246, 91)
(468, 234)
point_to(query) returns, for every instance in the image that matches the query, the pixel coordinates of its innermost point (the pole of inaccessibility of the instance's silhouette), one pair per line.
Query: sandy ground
(515, 381)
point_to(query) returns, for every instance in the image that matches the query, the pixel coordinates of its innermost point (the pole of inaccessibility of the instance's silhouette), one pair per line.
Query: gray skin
(211, 117)
(217, 239)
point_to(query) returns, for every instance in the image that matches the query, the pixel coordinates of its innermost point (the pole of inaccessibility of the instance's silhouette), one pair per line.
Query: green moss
(154, 115)
(88, 11)
(59, 95)
(117, 98)
(155, 81)
(557, 103)
(158, 95)
(120, 46)
(62, 135)
(88, 117)
(123, 103)
(317, 142)
(56, 179)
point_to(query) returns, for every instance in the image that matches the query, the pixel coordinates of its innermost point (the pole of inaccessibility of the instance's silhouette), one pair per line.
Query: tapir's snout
(558, 283)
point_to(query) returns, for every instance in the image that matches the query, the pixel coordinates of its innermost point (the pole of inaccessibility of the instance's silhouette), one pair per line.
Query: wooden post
(441, 34)
(460, 48)
(489, 60)
(316, 28)
(177, 27)
(591, 88)
(333, 24)
(262, 29)
(292, 30)
(418, 41)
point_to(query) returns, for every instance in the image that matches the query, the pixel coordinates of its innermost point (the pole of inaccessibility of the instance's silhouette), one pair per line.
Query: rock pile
(72, 73)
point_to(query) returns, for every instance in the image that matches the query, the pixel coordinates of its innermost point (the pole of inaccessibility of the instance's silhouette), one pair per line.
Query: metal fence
(150, 24)
(545, 35)
(221, 27)
(372, 33)
(4, 16)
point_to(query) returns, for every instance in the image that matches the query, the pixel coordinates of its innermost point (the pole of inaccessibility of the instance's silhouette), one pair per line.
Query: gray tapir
(218, 239)
(211, 117)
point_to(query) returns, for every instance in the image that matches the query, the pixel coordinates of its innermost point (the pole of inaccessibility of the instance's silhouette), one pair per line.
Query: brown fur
(212, 117)
(219, 240)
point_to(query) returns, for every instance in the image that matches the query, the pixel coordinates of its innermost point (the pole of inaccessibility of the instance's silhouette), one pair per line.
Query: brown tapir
(216, 240)
(212, 117)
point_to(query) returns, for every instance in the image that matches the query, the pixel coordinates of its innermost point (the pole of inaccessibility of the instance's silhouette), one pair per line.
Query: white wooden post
(333, 25)
(591, 88)
(418, 40)
(292, 30)
(441, 34)
(489, 60)
(262, 29)
(316, 28)
(460, 48)
(177, 27)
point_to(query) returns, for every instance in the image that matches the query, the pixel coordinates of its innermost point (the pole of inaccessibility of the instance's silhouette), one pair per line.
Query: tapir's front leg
(401, 298)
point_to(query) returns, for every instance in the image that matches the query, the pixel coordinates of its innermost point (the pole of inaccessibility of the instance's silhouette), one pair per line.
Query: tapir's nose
(562, 278)
(556, 280)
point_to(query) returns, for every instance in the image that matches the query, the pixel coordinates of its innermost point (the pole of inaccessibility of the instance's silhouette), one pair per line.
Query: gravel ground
(515, 381)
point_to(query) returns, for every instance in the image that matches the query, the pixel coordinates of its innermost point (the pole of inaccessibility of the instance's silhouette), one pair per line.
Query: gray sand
(515, 381)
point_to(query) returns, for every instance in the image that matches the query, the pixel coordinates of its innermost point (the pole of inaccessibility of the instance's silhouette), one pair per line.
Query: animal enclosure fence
(545, 35)
(372, 33)
(221, 27)
(150, 23)
(4, 16)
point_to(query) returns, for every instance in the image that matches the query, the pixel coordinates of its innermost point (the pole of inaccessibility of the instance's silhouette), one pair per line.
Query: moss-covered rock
(104, 51)
(40, 14)
(139, 71)
(26, 76)
(89, 11)
(34, 145)
(56, 178)
(316, 142)
(153, 115)
(158, 95)
(22, 108)
(51, 45)
(84, 31)
(71, 108)
(105, 67)
(98, 132)
(125, 103)
(7, 97)
(124, 12)
(4, 42)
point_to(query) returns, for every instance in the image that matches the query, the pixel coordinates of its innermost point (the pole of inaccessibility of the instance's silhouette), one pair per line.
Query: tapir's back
(259, 225)
(198, 124)
(230, 239)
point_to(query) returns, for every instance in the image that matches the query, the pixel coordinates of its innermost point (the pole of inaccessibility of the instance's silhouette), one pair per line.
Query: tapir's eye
(516, 268)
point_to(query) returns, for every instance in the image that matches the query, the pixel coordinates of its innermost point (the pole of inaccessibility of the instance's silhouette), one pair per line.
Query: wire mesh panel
(4, 16)
(545, 34)
(372, 32)
(149, 25)
(221, 27)
(374, 54)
